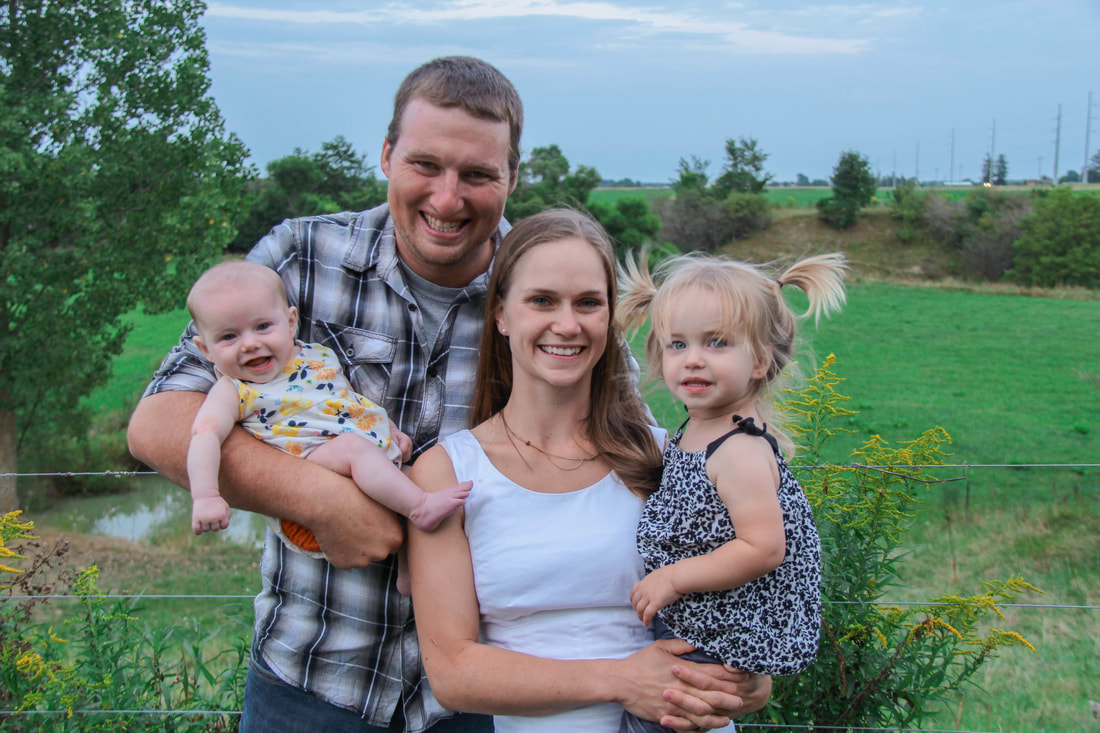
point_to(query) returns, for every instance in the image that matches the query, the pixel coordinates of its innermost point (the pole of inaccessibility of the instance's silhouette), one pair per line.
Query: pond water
(154, 509)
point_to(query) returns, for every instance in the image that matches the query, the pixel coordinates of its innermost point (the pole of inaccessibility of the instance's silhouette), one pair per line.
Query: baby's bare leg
(378, 478)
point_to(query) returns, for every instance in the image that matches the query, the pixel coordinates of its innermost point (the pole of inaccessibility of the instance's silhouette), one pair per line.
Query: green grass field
(790, 197)
(1013, 379)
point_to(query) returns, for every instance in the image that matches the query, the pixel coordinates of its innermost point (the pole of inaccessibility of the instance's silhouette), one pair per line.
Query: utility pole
(1057, 143)
(992, 150)
(951, 170)
(1088, 125)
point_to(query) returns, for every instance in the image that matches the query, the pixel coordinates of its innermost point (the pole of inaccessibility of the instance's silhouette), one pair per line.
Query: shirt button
(412, 307)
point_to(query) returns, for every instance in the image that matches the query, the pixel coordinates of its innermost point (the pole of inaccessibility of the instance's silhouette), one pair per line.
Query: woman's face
(555, 313)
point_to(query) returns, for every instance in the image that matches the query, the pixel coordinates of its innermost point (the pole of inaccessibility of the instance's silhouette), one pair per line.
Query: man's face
(449, 180)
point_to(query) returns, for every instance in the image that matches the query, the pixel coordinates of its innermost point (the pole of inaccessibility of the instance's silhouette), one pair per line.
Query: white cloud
(714, 28)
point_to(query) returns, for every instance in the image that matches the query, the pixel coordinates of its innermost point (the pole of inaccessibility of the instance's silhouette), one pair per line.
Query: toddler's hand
(652, 593)
(209, 514)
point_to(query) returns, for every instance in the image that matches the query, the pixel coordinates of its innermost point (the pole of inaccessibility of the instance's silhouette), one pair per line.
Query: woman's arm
(473, 677)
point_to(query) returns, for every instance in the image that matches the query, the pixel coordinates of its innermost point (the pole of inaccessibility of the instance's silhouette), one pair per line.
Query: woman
(522, 598)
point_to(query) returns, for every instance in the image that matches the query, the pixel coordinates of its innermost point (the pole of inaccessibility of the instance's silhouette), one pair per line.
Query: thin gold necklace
(512, 434)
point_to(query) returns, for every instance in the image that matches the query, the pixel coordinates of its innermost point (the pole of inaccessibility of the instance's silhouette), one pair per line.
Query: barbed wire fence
(965, 467)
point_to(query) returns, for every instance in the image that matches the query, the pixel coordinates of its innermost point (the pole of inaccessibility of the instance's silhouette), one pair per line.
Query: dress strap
(747, 426)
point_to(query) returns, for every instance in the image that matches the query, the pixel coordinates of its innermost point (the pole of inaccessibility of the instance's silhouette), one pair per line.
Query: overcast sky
(631, 86)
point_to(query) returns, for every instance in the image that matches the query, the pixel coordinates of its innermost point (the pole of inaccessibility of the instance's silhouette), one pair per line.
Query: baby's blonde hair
(237, 275)
(751, 305)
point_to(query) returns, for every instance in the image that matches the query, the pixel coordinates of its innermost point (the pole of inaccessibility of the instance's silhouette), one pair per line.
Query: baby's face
(249, 335)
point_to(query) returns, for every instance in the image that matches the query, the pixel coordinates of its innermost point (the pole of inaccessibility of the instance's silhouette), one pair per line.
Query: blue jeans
(272, 705)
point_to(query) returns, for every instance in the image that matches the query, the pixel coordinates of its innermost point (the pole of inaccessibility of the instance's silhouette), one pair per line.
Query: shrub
(628, 222)
(1059, 243)
(943, 220)
(694, 221)
(879, 666)
(746, 213)
(907, 205)
(838, 213)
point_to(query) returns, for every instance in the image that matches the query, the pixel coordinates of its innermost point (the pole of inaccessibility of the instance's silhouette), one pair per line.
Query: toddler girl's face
(710, 371)
(249, 335)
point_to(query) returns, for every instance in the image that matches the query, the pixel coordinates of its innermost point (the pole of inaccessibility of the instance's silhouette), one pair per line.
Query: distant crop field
(806, 197)
(611, 195)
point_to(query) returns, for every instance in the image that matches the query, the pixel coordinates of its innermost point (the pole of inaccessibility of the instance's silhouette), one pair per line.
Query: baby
(293, 396)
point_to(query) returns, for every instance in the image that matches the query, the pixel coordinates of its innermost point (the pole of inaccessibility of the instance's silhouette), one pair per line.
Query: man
(398, 292)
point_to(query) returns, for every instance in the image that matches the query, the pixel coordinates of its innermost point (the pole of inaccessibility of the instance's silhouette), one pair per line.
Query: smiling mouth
(695, 384)
(562, 350)
(446, 227)
(260, 362)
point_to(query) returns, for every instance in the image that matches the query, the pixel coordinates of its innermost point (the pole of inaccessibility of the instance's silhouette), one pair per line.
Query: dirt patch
(136, 567)
(873, 246)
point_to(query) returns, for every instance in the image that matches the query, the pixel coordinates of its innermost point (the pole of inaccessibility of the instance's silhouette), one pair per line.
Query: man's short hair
(476, 87)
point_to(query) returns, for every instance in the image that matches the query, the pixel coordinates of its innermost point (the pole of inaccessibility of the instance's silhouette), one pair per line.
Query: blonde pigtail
(821, 277)
(636, 293)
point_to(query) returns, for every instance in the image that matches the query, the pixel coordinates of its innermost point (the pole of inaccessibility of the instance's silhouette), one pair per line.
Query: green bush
(1059, 243)
(747, 213)
(908, 205)
(879, 666)
(839, 213)
(628, 222)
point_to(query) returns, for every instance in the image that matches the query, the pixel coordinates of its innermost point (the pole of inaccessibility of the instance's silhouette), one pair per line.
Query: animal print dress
(769, 625)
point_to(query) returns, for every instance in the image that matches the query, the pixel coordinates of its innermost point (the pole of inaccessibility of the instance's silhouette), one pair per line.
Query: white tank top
(553, 574)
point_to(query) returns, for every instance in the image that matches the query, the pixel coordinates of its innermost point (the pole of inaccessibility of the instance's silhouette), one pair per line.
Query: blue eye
(717, 343)
(677, 345)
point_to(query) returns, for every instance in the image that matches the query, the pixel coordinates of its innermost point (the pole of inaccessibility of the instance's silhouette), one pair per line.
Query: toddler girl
(728, 539)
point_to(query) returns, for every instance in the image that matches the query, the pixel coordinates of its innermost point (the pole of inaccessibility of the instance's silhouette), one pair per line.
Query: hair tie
(779, 283)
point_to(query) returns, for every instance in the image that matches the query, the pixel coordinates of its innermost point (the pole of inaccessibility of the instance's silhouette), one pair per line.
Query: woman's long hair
(617, 423)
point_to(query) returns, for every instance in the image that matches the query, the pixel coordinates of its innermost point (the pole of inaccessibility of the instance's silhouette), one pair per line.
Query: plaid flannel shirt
(347, 635)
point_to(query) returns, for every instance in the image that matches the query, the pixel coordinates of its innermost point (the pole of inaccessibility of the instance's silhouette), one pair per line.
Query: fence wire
(128, 474)
(740, 726)
(236, 713)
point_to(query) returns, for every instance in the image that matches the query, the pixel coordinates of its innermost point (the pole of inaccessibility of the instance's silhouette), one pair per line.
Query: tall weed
(103, 668)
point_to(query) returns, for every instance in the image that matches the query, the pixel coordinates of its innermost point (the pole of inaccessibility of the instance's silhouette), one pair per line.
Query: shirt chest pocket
(367, 358)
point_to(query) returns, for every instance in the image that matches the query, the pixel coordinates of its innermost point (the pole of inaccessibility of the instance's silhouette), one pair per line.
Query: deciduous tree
(118, 184)
(744, 169)
(303, 184)
(545, 181)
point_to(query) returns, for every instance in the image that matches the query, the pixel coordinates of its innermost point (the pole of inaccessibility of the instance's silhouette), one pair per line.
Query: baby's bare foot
(436, 507)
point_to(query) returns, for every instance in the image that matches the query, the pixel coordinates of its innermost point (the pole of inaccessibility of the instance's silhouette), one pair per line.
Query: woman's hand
(753, 690)
(684, 695)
